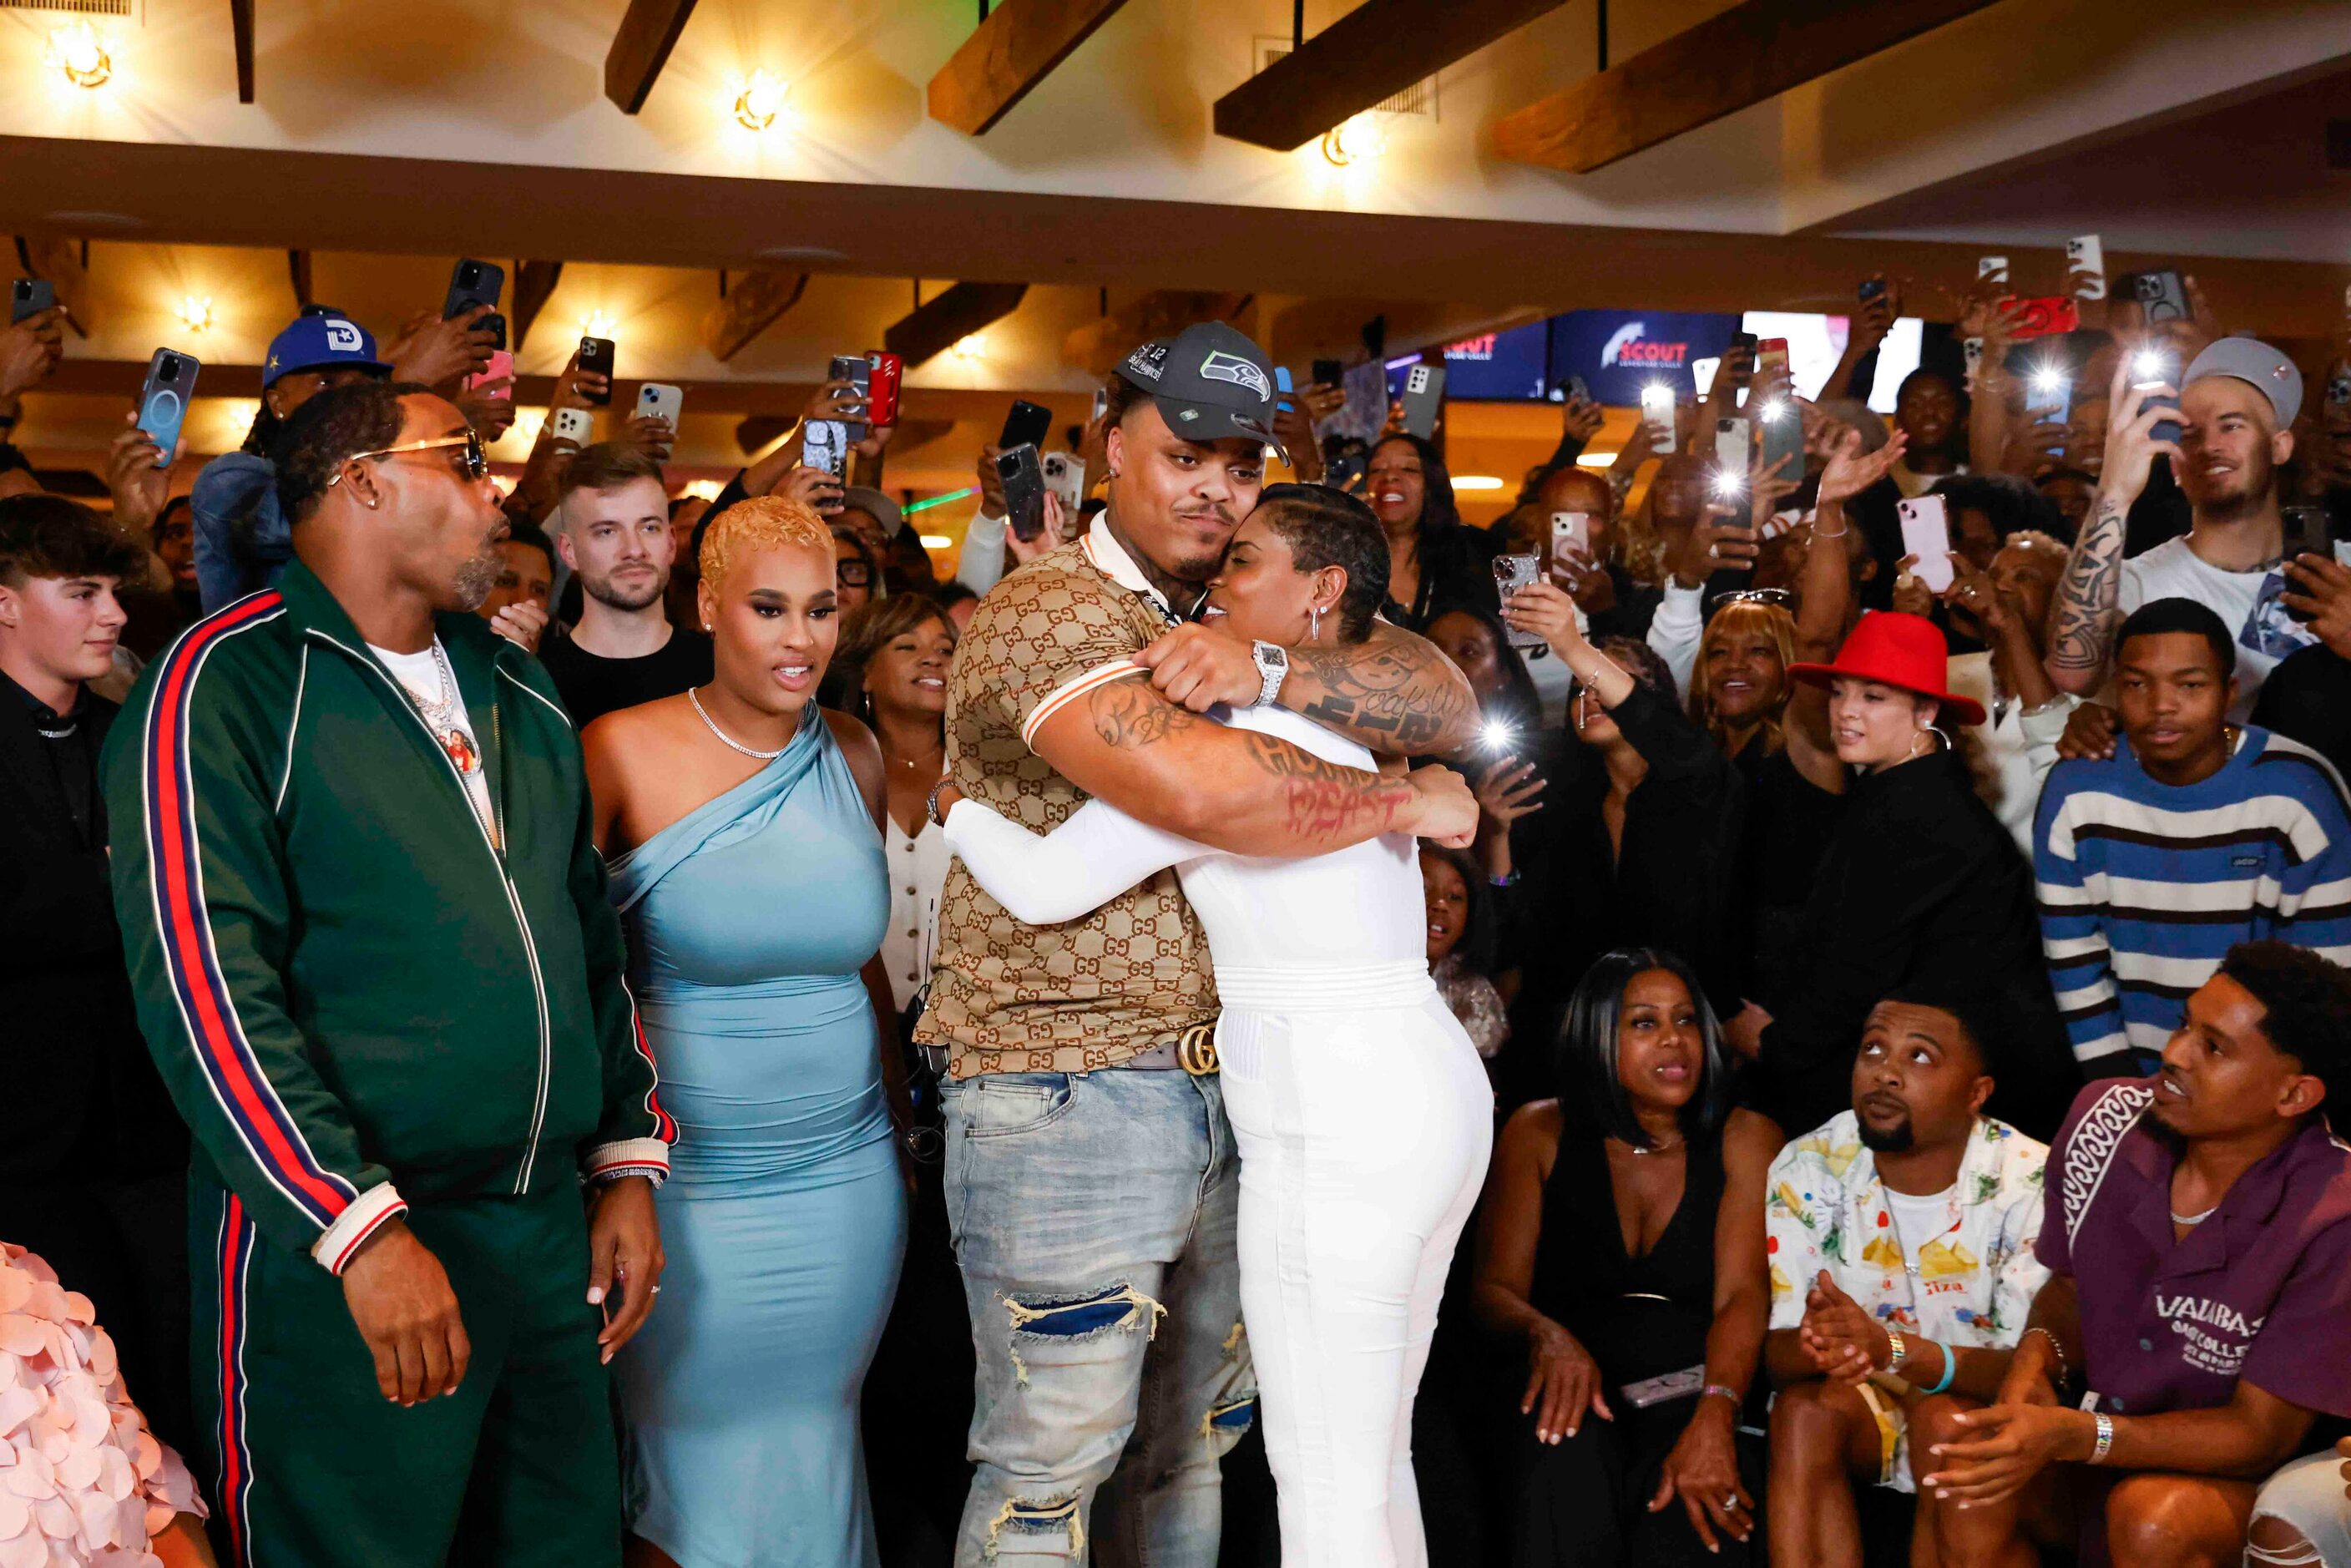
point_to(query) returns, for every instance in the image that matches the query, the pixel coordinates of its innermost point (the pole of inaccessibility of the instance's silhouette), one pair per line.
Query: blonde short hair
(762, 523)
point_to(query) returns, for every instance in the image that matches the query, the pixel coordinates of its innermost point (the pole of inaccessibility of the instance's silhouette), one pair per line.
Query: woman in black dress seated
(1642, 1318)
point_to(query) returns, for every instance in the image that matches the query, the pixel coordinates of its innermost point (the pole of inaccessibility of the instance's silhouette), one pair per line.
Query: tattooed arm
(1235, 789)
(2087, 606)
(2088, 603)
(1392, 692)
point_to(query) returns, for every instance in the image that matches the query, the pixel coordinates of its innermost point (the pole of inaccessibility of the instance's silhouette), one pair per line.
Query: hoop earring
(1314, 624)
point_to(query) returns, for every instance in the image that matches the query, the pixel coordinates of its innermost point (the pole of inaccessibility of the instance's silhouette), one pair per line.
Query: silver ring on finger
(1730, 1505)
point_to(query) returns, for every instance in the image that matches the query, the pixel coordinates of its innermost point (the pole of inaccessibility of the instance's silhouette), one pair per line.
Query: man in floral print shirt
(1901, 1248)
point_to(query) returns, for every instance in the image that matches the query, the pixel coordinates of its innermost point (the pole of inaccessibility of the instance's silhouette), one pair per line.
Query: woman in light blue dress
(740, 823)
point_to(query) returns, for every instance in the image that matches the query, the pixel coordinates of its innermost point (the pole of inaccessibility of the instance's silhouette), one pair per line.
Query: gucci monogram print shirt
(1089, 994)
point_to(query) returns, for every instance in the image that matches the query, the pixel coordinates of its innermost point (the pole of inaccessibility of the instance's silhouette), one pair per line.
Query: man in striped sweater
(2197, 836)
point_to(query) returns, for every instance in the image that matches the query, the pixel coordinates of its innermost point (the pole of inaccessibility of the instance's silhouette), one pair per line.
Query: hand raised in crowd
(2033, 449)
(2320, 586)
(1564, 1384)
(1197, 667)
(1875, 319)
(523, 622)
(1586, 580)
(1049, 537)
(2132, 446)
(1510, 789)
(1845, 1341)
(1910, 595)
(1545, 609)
(2089, 733)
(875, 440)
(407, 1314)
(1446, 809)
(30, 349)
(2006, 1447)
(1743, 1030)
(624, 1258)
(576, 387)
(1766, 489)
(814, 488)
(649, 433)
(1702, 1472)
(1998, 611)
(2094, 313)
(1850, 470)
(1720, 541)
(1731, 376)
(490, 415)
(1582, 418)
(139, 487)
(1293, 427)
(991, 484)
(839, 399)
(435, 352)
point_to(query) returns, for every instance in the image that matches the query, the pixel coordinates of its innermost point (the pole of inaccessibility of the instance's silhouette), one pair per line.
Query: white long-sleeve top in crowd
(1361, 1111)
(2019, 748)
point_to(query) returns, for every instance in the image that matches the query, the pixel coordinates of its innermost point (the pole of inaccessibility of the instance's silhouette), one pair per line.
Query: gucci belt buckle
(1196, 1051)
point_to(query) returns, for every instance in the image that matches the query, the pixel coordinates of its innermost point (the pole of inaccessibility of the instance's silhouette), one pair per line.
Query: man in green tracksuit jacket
(375, 963)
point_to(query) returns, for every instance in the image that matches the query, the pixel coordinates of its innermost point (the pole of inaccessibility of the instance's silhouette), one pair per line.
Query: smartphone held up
(163, 400)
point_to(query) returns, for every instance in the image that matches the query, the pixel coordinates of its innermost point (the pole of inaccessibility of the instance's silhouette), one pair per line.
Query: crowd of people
(558, 1022)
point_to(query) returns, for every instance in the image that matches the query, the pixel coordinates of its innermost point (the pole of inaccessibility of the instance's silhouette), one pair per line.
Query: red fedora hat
(1896, 650)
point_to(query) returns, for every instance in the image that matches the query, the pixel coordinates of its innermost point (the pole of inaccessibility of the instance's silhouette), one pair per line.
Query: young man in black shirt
(93, 1159)
(612, 526)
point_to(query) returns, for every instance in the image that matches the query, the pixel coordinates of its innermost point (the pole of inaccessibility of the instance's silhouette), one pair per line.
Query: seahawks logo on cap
(1149, 362)
(1220, 366)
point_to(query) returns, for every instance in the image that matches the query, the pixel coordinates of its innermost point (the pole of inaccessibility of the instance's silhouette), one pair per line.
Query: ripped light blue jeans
(1095, 1217)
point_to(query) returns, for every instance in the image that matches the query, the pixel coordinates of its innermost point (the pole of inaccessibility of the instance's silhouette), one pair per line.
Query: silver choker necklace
(728, 740)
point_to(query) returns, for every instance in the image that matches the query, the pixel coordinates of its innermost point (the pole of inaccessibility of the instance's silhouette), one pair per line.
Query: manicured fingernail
(595, 1295)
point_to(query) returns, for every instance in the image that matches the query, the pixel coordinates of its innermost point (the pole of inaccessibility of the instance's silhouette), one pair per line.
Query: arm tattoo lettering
(1392, 693)
(1130, 715)
(1326, 801)
(2087, 607)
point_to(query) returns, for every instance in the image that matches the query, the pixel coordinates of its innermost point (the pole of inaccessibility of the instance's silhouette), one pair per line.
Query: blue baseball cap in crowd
(321, 343)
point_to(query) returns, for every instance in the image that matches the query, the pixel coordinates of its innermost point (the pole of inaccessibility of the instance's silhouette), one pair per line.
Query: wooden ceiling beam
(533, 284)
(1007, 55)
(956, 313)
(1364, 58)
(1098, 346)
(753, 303)
(240, 21)
(1754, 51)
(641, 47)
(298, 273)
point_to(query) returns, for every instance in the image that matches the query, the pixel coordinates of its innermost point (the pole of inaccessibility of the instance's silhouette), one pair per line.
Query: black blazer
(85, 1102)
(1919, 882)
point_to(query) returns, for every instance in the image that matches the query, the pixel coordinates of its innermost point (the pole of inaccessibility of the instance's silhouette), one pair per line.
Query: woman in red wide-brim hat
(1920, 884)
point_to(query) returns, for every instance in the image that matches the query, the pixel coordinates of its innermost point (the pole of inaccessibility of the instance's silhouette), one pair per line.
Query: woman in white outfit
(1362, 1116)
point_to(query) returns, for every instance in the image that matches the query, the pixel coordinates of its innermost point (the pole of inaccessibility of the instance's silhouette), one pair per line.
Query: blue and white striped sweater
(2144, 887)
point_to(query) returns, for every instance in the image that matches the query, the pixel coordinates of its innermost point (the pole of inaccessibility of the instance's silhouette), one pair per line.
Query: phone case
(30, 297)
(488, 282)
(596, 354)
(1734, 446)
(1424, 395)
(658, 401)
(2047, 316)
(501, 365)
(1027, 425)
(887, 376)
(1658, 409)
(1992, 267)
(574, 424)
(1571, 534)
(824, 444)
(1066, 477)
(1512, 572)
(1926, 534)
(1024, 491)
(2086, 253)
(856, 370)
(163, 401)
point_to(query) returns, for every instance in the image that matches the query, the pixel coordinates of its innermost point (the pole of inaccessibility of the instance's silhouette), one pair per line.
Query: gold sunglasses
(474, 465)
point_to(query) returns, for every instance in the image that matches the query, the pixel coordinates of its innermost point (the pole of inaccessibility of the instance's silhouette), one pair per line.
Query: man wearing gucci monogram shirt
(2199, 1230)
(1091, 1171)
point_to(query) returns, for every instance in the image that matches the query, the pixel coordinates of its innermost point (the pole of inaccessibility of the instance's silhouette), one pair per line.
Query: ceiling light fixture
(757, 104)
(971, 346)
(77, 50)
(1476, 482)
(1595, 459)
(597, 325)
(195, 312)
(937, 541)
(1356, 140)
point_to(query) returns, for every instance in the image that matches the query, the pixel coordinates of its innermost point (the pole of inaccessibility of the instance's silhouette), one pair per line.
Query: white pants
(1364, 1120)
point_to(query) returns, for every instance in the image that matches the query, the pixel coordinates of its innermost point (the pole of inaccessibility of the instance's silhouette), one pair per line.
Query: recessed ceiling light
(1476, 482)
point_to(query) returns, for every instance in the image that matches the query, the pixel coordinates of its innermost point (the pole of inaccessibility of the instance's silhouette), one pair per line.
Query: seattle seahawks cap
(1210, 383)
(2250, 360)
(318, 343)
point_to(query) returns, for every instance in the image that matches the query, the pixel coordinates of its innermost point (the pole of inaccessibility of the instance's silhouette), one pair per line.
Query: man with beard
(1901, 1244)
(1091, 1173)
(2199, 1237)
(613, 530)
(2196, 836)
(368, 934)
(2235, 416)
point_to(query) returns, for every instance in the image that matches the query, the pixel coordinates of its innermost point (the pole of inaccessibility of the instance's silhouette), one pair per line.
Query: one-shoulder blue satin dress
(783, 1217)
